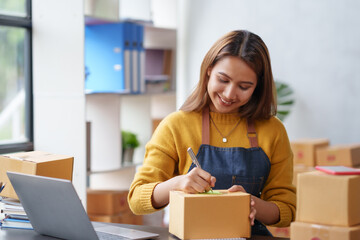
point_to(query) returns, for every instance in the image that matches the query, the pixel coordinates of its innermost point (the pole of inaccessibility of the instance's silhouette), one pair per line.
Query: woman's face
(231, 84)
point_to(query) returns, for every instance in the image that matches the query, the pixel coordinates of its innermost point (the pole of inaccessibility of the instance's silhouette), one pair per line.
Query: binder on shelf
(141, 57)
(135, 89)
(105, 58)
(128, 43)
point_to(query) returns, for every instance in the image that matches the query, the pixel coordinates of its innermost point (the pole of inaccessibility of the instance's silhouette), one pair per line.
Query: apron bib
(248, 167)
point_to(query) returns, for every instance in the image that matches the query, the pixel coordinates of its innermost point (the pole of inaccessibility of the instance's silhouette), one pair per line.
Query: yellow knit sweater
(166, 156)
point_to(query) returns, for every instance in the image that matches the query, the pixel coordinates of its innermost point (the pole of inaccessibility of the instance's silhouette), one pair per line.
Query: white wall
(58, 82)
(314, 46)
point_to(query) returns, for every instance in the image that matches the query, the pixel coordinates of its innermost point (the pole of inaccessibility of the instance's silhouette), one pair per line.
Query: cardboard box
(339, 155)
(107, 202)
(125, 217)
(36, 163)
(328, 199)
(300, 169)
(199, 216)
(304, 150)
(308, 231)
(282, 232)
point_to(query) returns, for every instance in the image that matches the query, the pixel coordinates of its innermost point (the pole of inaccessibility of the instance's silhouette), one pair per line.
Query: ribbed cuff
(285, 215)
(145, 197)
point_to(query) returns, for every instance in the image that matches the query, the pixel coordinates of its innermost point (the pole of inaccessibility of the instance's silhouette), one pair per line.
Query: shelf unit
(109, 113)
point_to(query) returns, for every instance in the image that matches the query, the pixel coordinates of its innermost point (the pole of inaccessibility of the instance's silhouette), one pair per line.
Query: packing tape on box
(320, 231)
(16, 158)
(19, 158)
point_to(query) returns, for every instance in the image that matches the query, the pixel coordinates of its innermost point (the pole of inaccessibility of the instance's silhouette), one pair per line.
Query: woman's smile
(224, 101)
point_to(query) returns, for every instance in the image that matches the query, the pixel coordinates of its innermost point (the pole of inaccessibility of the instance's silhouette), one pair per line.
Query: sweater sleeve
(279, 188)
(159, 165)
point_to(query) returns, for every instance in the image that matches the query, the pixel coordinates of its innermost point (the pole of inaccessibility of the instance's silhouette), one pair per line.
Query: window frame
(25, 23)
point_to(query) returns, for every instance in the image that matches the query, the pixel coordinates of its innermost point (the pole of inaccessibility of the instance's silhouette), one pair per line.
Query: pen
(2, 186)
(193, 158)
(195, 161)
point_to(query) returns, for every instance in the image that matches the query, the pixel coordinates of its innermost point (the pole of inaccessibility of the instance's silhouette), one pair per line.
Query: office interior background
(314, 48)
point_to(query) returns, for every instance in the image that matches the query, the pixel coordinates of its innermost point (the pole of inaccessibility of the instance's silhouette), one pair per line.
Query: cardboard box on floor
(36, 163)
(304, 150)
(344, 155)
(328, 199)
(301, 231)
(107, 202)
(110, 206)
(282, 232)
(199, 216)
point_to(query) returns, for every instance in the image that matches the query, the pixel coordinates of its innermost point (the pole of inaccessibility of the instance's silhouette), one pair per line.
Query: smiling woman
(229, 120)
(15, 76)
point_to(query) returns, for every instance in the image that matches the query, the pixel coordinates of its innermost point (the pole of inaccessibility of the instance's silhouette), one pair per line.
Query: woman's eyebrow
(224, 74)
(242, 82)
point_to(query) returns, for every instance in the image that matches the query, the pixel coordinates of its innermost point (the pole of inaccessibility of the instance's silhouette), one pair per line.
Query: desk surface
(19, 234)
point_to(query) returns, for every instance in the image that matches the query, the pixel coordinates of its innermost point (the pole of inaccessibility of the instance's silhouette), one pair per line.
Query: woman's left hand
(239, 188)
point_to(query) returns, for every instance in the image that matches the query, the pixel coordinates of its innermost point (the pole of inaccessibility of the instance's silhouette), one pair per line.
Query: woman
(229, 121)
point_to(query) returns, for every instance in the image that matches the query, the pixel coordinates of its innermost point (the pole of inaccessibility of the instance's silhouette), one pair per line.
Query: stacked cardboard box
(36, 163)
(300, 169)
(110, 206)
(327, 207)
(304, 151)
(347, 155)
(280, 232)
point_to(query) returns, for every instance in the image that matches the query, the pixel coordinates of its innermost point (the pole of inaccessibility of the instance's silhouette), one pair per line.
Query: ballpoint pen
(2, 186)
(193, 157)
(195, 161)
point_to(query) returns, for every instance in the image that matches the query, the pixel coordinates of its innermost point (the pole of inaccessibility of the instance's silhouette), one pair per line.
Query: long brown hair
(250, 48)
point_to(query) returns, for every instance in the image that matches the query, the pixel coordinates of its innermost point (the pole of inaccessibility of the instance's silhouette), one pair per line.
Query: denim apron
(248, 167)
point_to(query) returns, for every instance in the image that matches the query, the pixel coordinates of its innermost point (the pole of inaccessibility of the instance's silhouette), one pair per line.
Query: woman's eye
(222, 80)
(243, 88)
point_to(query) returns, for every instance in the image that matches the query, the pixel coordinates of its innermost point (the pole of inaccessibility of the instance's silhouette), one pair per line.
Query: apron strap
(251, 133)
(205, 126)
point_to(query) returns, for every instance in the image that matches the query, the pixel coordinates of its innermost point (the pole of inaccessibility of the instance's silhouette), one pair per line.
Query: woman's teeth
(228, 103)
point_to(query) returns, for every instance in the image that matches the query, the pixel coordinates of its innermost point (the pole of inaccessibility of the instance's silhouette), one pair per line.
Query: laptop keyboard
(108, 236)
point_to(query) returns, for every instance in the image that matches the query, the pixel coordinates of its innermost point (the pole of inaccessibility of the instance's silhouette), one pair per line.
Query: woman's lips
(224, 101)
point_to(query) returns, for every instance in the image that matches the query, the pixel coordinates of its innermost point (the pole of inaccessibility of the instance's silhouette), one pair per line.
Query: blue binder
(141, 58)
(105, 58)
(135, 88)
(128, 58)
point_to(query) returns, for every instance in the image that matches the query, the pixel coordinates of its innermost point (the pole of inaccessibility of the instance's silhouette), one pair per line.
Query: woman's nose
(230, 92)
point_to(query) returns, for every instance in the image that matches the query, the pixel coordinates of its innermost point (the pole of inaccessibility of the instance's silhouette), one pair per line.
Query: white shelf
(118, 10)
(159, 38)
(109, 113)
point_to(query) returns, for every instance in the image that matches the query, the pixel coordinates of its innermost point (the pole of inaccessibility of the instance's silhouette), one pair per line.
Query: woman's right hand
(195, 181)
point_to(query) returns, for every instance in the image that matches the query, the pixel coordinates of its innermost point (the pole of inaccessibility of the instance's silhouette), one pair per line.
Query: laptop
(55, 209)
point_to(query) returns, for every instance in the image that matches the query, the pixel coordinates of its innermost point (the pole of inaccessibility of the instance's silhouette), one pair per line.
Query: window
(16, 128)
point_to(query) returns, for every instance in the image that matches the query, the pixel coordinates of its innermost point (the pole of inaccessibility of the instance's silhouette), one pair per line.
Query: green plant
(285, 99)
(129, 140)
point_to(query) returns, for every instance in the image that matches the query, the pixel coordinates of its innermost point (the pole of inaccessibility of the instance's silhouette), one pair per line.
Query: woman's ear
(209, 71)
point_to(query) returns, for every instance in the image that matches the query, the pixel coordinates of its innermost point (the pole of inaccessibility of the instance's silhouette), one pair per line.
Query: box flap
(36, 156)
